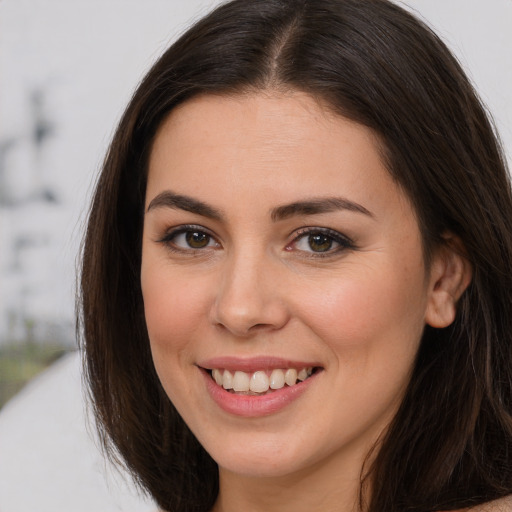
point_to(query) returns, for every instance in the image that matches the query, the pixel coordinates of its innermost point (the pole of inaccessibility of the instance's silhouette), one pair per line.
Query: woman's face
(277, 247)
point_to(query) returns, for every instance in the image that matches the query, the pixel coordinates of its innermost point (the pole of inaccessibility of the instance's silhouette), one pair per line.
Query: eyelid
(344, 241)
(172, 233)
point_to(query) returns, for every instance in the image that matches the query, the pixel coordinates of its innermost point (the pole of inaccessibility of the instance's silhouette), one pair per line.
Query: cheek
(174, 310)
(377, 308)
(372, 324)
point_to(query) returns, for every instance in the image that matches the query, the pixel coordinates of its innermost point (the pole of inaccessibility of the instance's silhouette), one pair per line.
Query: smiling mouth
(260, 382)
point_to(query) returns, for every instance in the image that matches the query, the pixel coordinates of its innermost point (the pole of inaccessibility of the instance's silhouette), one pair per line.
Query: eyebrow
(317, 206)
(169, 199)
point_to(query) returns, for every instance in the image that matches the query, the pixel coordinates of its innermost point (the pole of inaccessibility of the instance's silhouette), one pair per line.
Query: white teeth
(241, 381)
(290, 377)
(227, 380)
(217, 375)
(277, 379)
(259, 382)
(303, 374)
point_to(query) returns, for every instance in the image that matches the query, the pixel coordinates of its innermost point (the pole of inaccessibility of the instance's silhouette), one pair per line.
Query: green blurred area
(21, 361)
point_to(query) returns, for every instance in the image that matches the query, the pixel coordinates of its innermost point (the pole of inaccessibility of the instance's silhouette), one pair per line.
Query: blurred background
(67, 69)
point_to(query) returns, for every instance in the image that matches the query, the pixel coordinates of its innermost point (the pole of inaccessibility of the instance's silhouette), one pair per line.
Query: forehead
(270, 146)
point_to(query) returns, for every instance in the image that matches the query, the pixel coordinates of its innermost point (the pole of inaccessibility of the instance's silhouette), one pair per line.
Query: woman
(297, 270)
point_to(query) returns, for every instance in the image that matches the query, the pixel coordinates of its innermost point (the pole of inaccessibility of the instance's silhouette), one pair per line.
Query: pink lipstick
(257, 386)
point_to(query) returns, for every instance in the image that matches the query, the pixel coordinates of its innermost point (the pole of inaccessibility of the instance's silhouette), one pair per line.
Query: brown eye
(318, 242)
(197, 239)
(189, 238)
(321, 242)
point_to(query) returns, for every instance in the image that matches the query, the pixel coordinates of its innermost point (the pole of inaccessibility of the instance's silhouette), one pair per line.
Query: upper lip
(253, 364)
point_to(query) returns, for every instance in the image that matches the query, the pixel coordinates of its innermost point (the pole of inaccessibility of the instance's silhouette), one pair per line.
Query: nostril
(245, 307)
(259, 327)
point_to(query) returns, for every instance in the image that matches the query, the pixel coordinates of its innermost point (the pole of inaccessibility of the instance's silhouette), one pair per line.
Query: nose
(250, 297)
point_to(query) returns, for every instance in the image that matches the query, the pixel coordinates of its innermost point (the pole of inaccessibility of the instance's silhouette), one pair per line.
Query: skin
(259, 288)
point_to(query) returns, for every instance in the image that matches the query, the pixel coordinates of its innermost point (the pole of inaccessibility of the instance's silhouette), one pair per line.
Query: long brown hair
(450, 444)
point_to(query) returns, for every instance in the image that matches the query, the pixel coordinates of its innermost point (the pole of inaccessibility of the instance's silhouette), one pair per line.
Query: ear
(450, 275)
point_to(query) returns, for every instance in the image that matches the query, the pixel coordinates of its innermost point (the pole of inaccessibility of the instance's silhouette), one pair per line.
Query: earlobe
(450, 275)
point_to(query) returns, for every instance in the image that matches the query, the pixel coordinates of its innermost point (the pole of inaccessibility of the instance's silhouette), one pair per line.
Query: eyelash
(344, 243)
(170, 236)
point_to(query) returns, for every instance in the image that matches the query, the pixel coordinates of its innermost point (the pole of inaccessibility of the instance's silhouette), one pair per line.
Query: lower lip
(251, 406)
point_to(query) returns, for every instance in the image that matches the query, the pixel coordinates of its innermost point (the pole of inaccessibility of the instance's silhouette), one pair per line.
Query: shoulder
(501, 505)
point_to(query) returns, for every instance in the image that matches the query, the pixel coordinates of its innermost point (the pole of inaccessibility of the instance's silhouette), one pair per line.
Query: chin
(263, 458)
